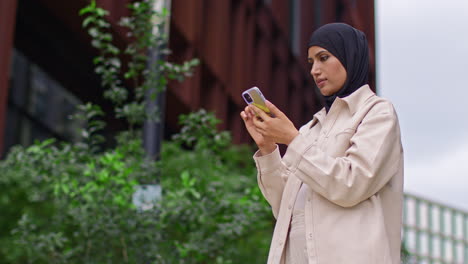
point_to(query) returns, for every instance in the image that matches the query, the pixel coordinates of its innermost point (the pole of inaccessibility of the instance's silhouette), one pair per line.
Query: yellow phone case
(255, 97)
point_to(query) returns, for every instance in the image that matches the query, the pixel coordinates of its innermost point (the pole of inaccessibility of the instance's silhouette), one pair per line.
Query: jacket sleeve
(271, 178)
(367, 165)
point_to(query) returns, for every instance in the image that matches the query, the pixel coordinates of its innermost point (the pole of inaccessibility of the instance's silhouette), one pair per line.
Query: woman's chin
(329, 90)
(325, 92)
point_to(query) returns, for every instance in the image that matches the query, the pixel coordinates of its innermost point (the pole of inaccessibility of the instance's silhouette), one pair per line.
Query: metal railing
(434, 233)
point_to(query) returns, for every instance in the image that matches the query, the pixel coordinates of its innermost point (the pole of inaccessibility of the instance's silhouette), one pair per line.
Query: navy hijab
(349, 45)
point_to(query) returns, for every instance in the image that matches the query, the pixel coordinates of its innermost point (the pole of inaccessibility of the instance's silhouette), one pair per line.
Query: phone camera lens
(248, 98)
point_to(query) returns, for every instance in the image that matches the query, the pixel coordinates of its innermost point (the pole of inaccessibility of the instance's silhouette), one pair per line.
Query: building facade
(434, 233)
(46, 60)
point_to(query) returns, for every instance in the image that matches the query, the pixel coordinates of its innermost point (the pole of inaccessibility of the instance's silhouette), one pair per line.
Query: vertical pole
(153, 131)
(442, 232)
(418, 229)
(465, 238)
(7, 29)
(430, 236)
(454, 235)
(405, 220)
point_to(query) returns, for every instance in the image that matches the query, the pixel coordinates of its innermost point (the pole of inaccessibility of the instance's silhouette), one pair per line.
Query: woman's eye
(324, 58)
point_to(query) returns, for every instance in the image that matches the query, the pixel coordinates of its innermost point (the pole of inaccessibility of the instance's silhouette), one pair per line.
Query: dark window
(38, 106)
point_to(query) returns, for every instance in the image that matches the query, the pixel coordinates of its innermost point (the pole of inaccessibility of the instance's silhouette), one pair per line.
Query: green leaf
(89, 8)
(65, 189)
(93, 32)
(103, 24)
(98, 60)
(88, 21)
(101, 12)
(195, 194)
(47, 142)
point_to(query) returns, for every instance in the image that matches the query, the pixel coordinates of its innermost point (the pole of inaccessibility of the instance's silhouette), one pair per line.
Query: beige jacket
(352, 161)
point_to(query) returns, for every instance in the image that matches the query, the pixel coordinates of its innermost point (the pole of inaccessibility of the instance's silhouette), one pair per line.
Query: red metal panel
(215, 39)
(280, 9)
(216, 100)
(263, 19)
(236, 125)
(244, 44)
(281, 50)
(7, 28)
(185, 15)
(263, 66)
(250, 4)
(238, 59)
(249, 54)
(307, 22)
(294, 91)
(280, 86)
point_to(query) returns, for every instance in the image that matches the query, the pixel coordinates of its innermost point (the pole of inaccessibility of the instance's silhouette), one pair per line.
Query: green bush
(67, 204)
(222, 215)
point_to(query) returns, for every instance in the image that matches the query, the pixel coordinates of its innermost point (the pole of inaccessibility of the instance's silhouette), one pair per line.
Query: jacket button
(310, 235)
(290, 207)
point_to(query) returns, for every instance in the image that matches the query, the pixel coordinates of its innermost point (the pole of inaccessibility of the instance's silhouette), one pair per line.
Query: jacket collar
(353, 101)
(357, 99)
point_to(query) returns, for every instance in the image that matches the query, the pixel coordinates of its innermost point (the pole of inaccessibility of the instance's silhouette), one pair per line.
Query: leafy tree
(75, 202)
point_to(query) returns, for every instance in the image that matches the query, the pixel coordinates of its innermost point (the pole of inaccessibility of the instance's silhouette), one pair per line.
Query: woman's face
(327, 71)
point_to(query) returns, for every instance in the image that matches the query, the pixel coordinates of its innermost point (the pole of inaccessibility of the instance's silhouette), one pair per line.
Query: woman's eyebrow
(310, 60)
(320, 52)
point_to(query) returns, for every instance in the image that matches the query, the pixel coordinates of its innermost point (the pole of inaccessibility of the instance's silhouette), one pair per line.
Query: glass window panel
(39, 107)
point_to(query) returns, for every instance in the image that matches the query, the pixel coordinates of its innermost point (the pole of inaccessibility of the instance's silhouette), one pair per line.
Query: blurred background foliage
(61, 203)
(76, 202)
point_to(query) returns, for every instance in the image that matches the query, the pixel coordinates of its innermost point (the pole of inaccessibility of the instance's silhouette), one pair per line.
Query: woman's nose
(314, 71)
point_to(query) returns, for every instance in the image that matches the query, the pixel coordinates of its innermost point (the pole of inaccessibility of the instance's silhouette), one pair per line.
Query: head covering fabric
(349, 45)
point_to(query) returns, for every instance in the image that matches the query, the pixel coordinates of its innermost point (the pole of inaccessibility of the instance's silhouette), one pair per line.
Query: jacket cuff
(295, 150)
(269, 162)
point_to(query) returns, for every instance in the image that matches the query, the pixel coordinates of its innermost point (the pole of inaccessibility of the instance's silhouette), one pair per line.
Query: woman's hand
(277, 129)
(265, 145)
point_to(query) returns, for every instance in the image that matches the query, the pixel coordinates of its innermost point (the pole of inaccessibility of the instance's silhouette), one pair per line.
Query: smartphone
(255, 97)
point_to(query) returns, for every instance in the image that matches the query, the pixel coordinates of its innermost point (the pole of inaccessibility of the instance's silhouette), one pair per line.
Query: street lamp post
(153, 130)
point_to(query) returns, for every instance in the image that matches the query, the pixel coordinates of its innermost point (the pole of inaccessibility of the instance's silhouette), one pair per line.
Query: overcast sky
(422, 67)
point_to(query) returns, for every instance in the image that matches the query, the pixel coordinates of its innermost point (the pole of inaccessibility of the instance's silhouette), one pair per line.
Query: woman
(337, 191)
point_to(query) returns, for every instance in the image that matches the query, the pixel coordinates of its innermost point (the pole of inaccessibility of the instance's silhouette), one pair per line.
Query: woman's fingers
(250, 114)
(259, 113)
(258, 122)
(274, 110)
(244, 116)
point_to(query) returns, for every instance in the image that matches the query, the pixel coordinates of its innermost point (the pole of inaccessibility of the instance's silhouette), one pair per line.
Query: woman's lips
(321, 83)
